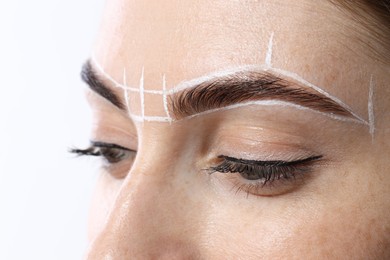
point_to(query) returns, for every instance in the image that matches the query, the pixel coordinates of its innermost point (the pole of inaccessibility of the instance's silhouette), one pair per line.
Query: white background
(44, 191)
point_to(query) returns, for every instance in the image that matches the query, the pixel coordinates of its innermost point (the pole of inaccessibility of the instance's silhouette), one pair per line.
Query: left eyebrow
(247, 87)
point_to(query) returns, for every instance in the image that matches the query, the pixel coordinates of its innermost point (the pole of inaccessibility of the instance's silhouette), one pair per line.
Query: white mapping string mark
(245, 104)
(160, 119)
(215, 75)
(276, 103)
(142, 93)
(208, 77)
(261, 68)
(101, 70)
(371, 114)
(268, 57)
(165, 98)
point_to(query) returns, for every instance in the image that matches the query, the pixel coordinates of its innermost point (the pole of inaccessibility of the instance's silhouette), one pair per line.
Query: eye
(264, 178)
(116, 160)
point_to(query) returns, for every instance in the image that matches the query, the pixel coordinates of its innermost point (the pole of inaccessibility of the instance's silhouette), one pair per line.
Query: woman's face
(280, 152)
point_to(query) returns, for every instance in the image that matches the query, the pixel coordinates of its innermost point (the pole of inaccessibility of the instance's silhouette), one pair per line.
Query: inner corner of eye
(218, 159)
(213, 160)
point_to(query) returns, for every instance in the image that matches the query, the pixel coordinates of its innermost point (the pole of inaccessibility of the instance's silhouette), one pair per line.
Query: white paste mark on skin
(160, 119)
(165, 98)
(227, 72)
(101, 71)
(268, 58)
(278, 103)
(187, 84)
(371, 114)
(261, 68)
(142, 94)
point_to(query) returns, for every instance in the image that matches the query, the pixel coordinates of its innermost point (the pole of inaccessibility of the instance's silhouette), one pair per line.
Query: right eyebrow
(241, 88)
(248, 87)
(90, 77)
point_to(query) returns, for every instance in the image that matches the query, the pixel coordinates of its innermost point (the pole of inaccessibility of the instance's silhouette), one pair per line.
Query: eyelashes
(111, 152)
(263, 170)
(260, 178)
(117, 160)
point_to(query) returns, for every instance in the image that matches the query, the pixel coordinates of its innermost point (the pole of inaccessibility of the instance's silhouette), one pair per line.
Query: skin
(165, 206)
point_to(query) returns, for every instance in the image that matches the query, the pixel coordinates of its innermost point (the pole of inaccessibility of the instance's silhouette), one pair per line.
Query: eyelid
(264, 178)
(109, 145)
(273, 162)
(264, 141)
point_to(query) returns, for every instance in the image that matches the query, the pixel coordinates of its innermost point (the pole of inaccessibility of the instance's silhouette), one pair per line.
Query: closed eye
(256, 176)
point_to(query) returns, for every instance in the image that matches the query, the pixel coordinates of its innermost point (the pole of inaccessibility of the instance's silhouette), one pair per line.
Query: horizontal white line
(278, 103)
(150, 118)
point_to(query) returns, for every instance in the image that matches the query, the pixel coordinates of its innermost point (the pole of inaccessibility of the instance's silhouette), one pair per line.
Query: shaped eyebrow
(246, 87)
(227, 90)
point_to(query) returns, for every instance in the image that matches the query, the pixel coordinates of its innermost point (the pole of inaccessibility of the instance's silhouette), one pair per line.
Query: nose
(153, 217)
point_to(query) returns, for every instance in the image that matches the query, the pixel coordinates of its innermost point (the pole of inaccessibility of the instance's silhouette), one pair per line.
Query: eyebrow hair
(231, 90)
(90, 77)
(247, 86)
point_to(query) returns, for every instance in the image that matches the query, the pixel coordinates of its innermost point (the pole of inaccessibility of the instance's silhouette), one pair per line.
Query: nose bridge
(151, 215)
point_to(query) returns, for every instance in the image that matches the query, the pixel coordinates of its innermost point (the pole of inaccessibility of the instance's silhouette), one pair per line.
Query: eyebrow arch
(91, 78)
(251, 87)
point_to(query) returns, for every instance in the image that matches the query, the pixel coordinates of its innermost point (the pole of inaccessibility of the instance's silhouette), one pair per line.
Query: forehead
(182, 40)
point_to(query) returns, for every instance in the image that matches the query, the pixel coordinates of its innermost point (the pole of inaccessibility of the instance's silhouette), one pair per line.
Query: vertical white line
(268, 58)
(142, 94)
(165, 100)
(126, 93)
(371, 114)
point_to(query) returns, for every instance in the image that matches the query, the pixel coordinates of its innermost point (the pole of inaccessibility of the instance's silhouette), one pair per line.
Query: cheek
(340, 232)
(103, 199)
(279, 230)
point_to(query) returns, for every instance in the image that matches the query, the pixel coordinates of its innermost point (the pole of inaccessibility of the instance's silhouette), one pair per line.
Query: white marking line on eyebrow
(262, 68)
(277, 103)
(268, 58)
(126, 93)
(318, 89)
(214, 75)
(244, 104)
(150, 118)
(142, 93)
(165, 99)
(371, 113)
(101, 70)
